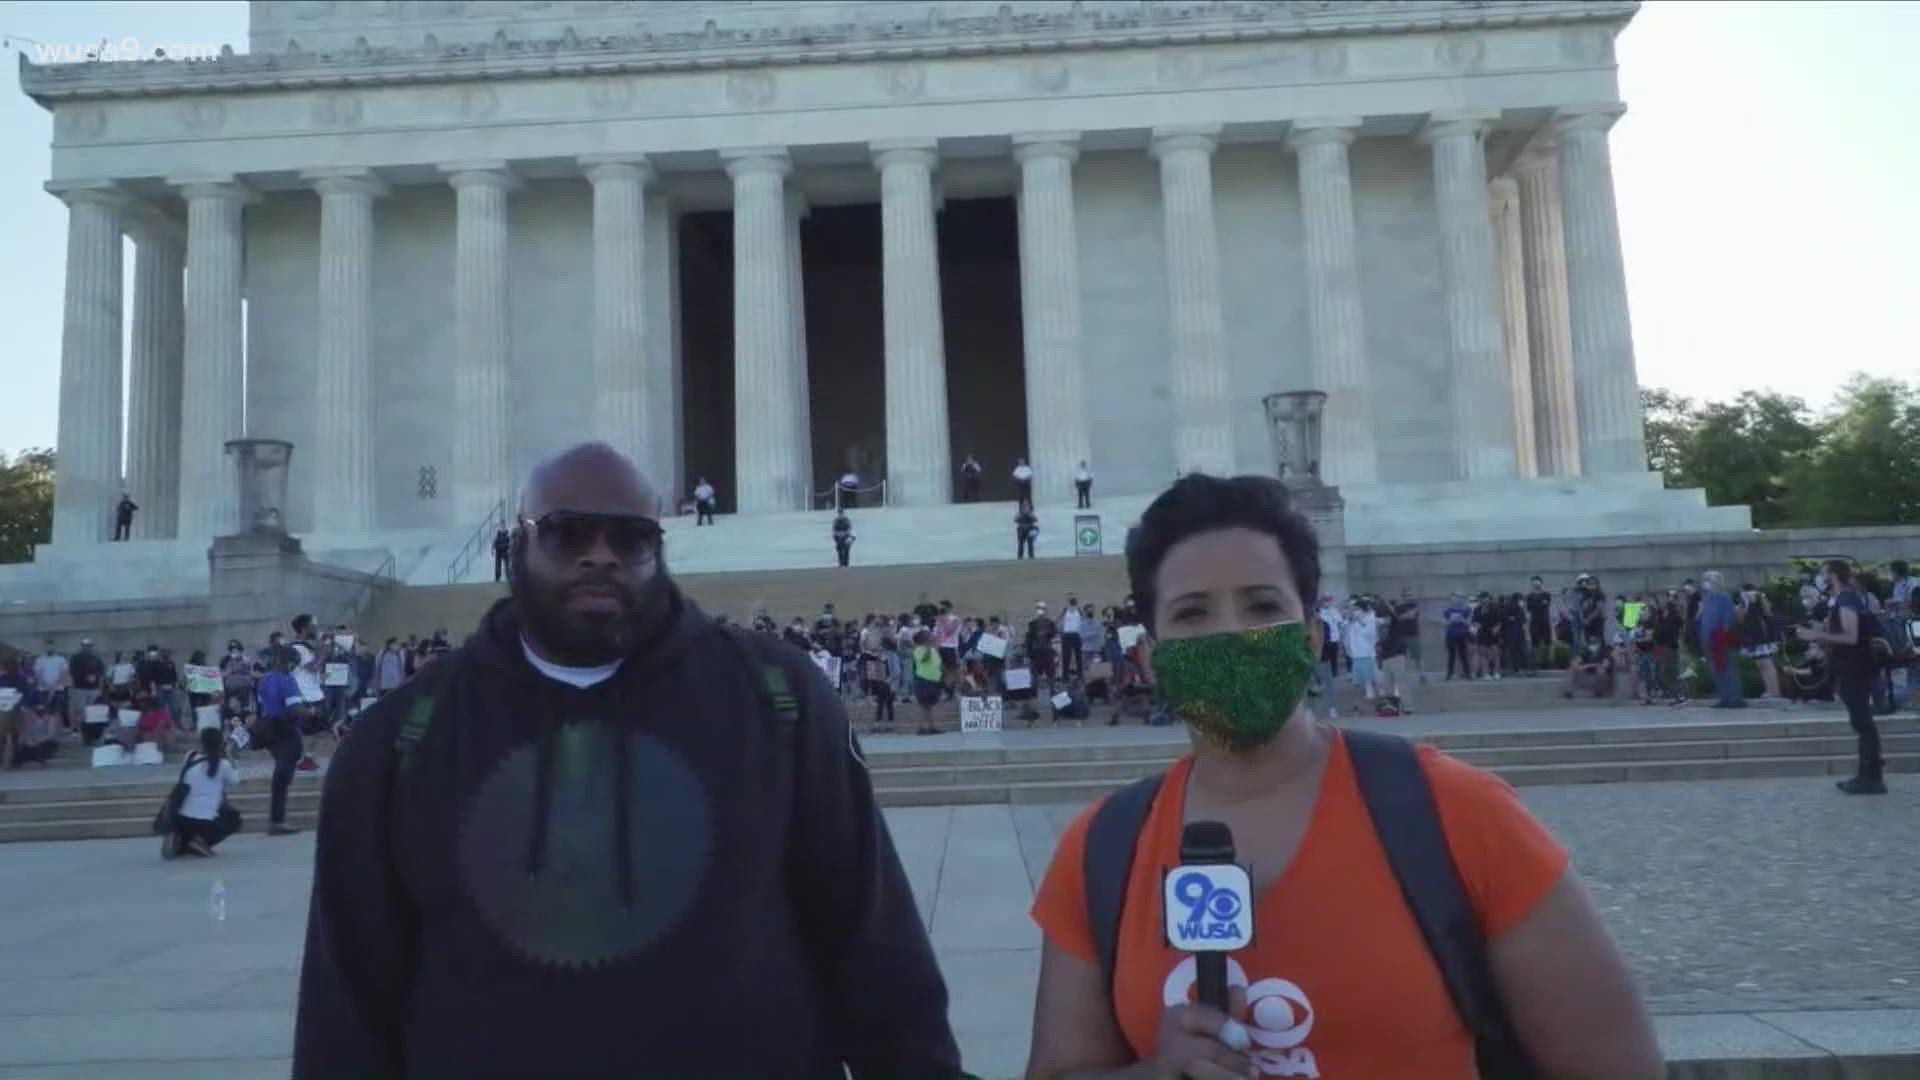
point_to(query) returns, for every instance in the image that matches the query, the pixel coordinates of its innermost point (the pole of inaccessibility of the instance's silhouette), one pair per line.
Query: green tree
(1746, 450)
(1866, 468)
(1670, 419)
(26, 503)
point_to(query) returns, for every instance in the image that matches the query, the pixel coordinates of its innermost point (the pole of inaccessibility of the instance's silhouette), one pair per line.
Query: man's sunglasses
(569, 534)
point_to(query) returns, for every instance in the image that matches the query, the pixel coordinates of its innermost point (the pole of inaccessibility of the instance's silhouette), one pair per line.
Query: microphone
(1209, 906)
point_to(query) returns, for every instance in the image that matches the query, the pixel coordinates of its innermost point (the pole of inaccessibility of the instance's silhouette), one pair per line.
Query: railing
(829, 499)
(384, 575)
(481, 539)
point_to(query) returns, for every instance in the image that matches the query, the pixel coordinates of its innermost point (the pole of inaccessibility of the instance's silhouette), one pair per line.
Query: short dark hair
(1899, 568)
(301, 622)
(1840, 570)
(1198, 503)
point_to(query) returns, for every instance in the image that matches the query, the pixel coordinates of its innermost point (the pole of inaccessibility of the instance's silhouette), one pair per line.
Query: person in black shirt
(501, 544)
(1846, 639)
(1487, 622)
(1513, 628)
(1539, 615)
(842, 538)
(970, 480)
(1026, 527)
(123, 517)
(603, 834)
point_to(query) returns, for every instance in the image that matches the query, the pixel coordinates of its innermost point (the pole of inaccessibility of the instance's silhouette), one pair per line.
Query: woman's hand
(1197, 1043)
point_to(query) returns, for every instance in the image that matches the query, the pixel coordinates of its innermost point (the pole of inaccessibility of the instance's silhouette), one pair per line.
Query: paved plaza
(1773, 916)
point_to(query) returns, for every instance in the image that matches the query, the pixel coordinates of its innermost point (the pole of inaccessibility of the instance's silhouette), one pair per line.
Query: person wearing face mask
(1845, 637)
(601, 832)
(1337, 979)
(1718, 640)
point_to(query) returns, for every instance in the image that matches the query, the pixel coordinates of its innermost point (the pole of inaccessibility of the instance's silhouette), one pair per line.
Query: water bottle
(217, 900)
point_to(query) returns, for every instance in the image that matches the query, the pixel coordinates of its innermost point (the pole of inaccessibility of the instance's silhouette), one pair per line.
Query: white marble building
(429, 241)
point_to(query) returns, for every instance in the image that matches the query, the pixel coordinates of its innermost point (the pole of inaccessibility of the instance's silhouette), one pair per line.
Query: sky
(1764, 174)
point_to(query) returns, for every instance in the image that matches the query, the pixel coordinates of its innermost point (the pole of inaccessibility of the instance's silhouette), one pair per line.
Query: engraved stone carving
(1329, 59)
(82, 121)
(477, 102)
(905, 82)
(202, 114)
(1462, 52)
(610, 95)
(340, 110)
(1048, 76)
(751, 89)
(312, 10)
(1586, 45)
(1181, 67)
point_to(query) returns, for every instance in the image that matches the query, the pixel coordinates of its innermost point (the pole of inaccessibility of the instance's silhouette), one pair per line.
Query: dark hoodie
(490, 903)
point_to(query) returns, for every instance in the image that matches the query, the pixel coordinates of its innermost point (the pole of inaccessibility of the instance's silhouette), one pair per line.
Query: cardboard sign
(1019, 678)
(1130, 636)
(994, 646)
(343, 642)
(829, 666)
(202, 680)
(338, 675)
(206, 716)
(979, 714)
(1061, 700)
(100, 714)
(9, 697)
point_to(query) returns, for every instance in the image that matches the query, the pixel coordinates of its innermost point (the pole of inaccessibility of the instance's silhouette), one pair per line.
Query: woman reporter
(1338, 976)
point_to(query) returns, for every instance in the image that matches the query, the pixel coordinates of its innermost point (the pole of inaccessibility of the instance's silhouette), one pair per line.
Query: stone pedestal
(1294, 421)
(260, 478)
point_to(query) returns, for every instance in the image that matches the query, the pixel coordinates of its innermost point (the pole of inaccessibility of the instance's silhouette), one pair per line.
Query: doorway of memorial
(846, 341)
(706, 353)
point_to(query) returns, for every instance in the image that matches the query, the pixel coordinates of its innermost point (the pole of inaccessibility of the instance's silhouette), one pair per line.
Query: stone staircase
(1077, 766)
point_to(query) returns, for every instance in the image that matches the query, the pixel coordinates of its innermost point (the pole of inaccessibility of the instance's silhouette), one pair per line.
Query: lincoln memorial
(769, 242)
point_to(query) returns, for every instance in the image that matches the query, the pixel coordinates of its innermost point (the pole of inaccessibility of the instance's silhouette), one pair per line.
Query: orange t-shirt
(1339, 982)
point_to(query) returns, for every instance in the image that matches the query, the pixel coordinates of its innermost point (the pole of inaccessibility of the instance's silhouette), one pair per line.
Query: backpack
(1407, 821)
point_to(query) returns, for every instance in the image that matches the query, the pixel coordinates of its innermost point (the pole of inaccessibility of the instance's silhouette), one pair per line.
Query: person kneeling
(205, 817)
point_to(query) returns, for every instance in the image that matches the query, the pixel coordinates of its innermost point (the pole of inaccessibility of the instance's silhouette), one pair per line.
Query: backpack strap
(1112, 836)
(1407, 821)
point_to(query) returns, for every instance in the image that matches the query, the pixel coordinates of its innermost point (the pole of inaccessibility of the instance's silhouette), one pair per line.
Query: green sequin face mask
(1239, 688)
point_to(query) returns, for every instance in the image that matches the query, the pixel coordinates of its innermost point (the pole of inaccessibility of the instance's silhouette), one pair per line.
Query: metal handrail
(463, 562)
(829, 497)
(387, 573)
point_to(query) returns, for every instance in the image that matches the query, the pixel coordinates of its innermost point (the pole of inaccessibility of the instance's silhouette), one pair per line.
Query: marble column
(482, 441)
(802, 381)
(919, 458)
(1481, 399)
(1336, 316)
(1556, 420)
(212, 404)
(1504, 196)
(153, 398)
(341, 458)
(1059, 433)
(1203, 435)
(620, 405)
(664, 456)
(87, 461)
(1606, 388)
(766, 460)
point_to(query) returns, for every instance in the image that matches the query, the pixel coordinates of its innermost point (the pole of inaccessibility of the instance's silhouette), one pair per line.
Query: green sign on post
(1086, 534)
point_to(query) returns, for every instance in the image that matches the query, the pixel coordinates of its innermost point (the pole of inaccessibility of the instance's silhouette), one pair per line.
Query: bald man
(609, 838)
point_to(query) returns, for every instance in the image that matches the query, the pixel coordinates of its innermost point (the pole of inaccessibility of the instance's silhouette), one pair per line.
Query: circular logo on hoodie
(551, 880)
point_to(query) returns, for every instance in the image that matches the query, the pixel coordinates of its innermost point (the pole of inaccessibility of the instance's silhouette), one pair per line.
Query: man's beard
(577, 639)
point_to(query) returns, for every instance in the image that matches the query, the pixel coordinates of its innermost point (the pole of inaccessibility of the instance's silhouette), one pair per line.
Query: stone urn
(1293, 423)
(260, 467)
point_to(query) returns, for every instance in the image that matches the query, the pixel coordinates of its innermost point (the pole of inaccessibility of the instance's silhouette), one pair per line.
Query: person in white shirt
(703, 496)
(1083, 485)
(50, 671)
(1358, 638)
(204, 817)
(1072, 659)
(1023, 481)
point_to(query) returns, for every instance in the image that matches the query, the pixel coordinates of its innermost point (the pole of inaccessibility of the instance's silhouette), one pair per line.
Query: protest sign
(202, 680)
(994, 646)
